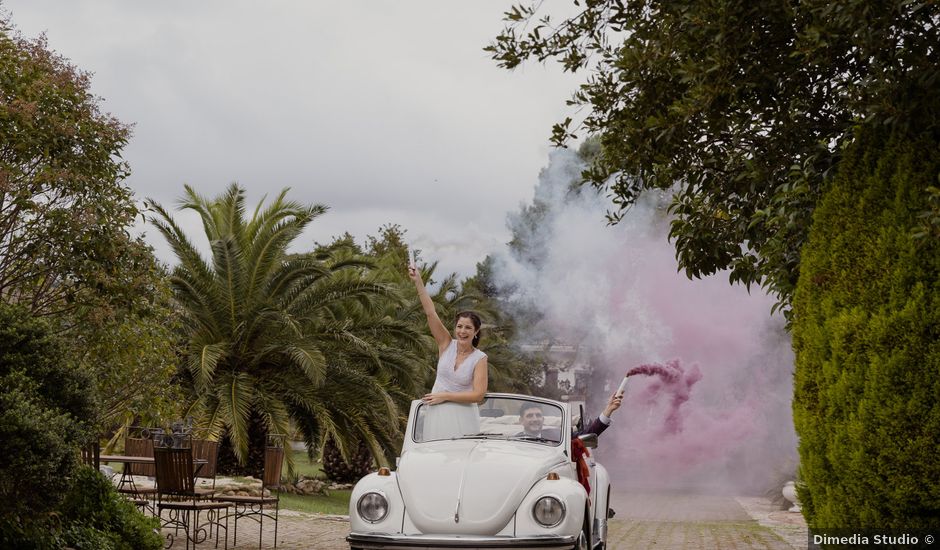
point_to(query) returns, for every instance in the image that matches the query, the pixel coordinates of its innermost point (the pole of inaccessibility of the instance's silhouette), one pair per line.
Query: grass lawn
(303, 466)
(336, 503)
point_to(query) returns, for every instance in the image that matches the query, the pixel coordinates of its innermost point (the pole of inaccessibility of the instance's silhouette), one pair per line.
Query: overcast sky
(388, 112)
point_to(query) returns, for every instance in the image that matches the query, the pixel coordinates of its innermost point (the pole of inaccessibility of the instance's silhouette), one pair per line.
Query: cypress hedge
(866, 334)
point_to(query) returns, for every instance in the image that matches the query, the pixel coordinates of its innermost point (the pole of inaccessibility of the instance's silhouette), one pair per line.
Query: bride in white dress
(461, 372)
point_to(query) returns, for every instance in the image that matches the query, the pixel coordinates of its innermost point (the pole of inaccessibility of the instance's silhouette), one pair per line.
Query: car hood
(470, 487)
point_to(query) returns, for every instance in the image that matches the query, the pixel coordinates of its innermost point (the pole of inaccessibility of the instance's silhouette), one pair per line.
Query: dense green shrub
(45, 404)
(95, 516)
(867, 342)
(91, 516)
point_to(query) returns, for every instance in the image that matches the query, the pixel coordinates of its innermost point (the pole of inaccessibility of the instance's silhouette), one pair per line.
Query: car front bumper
(423, 542)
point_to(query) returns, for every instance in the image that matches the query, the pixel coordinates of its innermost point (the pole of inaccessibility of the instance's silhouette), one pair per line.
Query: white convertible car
(495, 488)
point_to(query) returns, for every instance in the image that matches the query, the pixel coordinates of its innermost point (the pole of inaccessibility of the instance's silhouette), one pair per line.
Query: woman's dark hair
(477, 323)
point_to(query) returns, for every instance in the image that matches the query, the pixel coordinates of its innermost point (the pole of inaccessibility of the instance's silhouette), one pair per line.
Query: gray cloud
(387, 112)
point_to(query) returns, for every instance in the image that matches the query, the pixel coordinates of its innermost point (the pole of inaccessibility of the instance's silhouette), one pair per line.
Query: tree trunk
(254, 463)
(337, 469)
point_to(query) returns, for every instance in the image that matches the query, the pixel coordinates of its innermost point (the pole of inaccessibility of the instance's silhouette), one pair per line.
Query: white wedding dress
(449, 419)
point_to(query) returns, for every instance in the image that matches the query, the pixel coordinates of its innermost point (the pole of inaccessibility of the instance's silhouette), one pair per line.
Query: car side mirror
(589, 440)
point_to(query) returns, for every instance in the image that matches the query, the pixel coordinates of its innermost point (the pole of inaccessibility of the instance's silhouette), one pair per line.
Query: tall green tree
(741, 108)
(64, 211)
(133, 356)
(66, 251)
(274, 338)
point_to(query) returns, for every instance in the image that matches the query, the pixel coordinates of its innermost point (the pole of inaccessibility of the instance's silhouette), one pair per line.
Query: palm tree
(275, 338)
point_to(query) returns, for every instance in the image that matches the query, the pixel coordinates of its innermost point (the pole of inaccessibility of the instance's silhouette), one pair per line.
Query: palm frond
(270, 322)
(309, 359)
(202, 362)
(229, 270)
(179, 243)
(229, 212)
(235, 395)
(332, 292)
(293, 276)
(269, 235)
(192, 200)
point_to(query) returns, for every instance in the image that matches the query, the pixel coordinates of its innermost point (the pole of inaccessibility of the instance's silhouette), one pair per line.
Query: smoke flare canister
(411, 258)
(623, 386)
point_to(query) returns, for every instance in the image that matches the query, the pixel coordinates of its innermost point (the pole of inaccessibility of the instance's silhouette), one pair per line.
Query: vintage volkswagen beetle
(496, 488)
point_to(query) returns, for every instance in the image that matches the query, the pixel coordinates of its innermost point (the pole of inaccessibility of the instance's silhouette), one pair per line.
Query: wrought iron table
(127, 479)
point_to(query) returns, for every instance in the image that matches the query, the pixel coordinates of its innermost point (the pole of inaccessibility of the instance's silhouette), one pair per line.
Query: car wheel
(582, 543)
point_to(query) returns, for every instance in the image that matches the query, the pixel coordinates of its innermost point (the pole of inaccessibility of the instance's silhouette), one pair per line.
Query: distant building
(566, 372)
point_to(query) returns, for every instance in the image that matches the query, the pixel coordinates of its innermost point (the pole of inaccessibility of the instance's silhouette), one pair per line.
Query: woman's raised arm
(438, 330)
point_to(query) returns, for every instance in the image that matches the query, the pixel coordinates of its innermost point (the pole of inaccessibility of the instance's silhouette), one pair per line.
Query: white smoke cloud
(616, 291)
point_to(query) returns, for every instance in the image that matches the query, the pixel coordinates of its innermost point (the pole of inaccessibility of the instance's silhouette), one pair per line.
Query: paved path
(696, 522)
(643, 521)
(295, 531)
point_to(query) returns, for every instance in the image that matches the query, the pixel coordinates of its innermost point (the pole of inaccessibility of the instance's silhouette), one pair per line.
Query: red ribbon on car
(579, 454)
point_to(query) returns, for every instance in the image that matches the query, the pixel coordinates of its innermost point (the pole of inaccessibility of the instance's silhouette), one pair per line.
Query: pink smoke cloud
(616, 292)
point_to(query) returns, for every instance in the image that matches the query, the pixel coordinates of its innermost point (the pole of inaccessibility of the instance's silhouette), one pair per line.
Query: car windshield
(510, 418)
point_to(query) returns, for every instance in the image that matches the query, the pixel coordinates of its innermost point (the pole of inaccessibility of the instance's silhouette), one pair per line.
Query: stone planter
(789, 493)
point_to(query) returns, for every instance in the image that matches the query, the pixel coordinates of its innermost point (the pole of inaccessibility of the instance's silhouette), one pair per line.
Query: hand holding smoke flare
(616, 399)
(623, 386)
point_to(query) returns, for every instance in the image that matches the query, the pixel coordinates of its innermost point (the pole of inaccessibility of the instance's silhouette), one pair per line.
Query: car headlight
(372, 507)
(548, 511)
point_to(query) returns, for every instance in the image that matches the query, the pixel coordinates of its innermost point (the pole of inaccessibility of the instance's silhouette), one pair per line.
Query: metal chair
(208, 451)
(91, 454)
(176, 494)
(253, 507)
(143, 497)
(139, 446)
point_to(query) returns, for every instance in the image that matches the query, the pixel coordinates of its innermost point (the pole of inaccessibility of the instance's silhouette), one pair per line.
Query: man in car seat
(533, 421)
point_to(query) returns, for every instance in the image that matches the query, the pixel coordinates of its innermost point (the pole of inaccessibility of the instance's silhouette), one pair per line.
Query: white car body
(480, 491)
